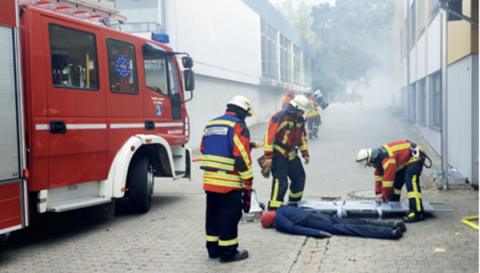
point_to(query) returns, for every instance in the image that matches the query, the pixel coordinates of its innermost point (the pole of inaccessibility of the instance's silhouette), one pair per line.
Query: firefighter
(287, 99)
(226, 162)
(319, 98)
(313, 117)
(285, 135)
(397, 163)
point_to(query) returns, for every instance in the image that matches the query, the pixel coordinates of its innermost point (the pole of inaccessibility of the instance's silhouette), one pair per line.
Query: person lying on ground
(298, 221)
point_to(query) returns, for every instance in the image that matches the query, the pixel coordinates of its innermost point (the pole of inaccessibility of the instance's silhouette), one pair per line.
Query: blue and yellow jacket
(226, 156)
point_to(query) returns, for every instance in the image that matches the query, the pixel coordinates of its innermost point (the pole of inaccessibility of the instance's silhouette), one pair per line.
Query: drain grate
(322, 198)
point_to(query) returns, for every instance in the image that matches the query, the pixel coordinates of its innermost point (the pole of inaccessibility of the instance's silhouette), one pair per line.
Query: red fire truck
(88, 114)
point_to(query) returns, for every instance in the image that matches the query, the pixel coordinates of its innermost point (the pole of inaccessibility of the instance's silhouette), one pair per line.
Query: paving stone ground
(170, 238)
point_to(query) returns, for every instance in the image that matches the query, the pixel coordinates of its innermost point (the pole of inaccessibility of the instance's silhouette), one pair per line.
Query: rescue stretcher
(342, 209)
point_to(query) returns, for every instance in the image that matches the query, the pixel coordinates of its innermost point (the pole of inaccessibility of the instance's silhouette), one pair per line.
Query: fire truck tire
(140, 184)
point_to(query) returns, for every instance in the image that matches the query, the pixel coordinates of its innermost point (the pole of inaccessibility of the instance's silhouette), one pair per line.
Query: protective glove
(246, 200)
(265, 170)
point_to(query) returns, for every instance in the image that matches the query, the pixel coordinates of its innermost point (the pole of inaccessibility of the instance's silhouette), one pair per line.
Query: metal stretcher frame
(342, 208)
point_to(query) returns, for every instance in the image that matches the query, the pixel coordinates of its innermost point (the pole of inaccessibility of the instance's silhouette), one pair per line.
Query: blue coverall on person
(298, 221)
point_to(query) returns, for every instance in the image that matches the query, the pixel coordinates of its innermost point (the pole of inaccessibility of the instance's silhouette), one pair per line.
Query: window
(435, 94)
(74, 58)
(435, 7)
(421, 15)
(285, 59)
(174, 90)
(122, 67)
(456, 6)
(307, 69)
(412, 103)
(297, 67)
(412, 25)
(156, 74)
(401, 45)
(269, 51)
(422, 102)
(173, 78)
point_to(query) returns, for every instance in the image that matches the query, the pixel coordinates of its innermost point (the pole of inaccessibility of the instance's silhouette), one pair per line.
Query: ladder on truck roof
(93, 10)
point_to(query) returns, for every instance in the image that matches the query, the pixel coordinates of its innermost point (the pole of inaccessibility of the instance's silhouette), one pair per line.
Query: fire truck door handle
(58, 127)
(149, 125)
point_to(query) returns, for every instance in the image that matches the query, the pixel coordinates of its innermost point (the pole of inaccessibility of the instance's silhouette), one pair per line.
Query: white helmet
(364, 156)
(243, 103)
(301, 103)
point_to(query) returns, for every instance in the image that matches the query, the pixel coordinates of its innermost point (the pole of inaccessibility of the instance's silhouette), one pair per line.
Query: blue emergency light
(160, 37)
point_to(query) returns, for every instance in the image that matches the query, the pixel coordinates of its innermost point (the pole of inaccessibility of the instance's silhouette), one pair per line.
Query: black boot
(413, 217)
(240, 255)
(396, 233)
(401, 226)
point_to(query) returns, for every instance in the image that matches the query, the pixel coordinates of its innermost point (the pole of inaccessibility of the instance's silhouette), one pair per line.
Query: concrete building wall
(212, 95)
(463, 73)
(460, 35)
(413, 64)
(475, 114)
(223, 44)
(224, 40)
(139, 11)
(434, 46)
(460, 115)
(421, 53)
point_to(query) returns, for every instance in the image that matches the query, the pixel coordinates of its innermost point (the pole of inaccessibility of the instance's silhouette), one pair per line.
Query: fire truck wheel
(140, 184)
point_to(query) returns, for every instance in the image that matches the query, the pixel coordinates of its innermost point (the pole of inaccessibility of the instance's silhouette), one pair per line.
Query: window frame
(96, 58)
(412, 102)
(422, 101)
(167, 86)
(413, 24)
(435, 122)
(134, 62)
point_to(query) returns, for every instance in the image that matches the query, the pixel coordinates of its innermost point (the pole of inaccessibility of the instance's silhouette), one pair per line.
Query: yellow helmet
(243, 103)
(363, 157)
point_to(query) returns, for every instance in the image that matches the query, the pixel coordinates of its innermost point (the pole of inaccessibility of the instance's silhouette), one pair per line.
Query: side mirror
(187, 62)
(189, 80)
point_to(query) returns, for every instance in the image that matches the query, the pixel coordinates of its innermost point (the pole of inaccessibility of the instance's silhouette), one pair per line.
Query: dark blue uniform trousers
(224, 211)
(301, 222)
(282, 169)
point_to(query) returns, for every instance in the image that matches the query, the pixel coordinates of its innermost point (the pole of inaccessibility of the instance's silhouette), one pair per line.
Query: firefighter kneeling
(397, 163)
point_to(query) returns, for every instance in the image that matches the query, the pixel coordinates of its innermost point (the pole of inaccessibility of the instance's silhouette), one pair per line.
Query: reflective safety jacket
(286, 101)
(314, 112)
(226, 156)
(397, 155)
(285, 132)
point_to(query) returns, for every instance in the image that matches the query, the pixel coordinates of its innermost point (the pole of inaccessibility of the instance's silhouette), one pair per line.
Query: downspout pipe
(444, 133)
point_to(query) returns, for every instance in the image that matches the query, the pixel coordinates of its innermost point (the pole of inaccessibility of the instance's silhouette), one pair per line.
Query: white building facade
(418, 27)
(239, 47)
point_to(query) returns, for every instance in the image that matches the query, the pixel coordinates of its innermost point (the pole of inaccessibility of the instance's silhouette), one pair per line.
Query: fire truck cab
(88, 114)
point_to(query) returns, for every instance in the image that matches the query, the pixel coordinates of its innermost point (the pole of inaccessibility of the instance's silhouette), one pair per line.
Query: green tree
(356, 39)
(300, 19)
(352, 39)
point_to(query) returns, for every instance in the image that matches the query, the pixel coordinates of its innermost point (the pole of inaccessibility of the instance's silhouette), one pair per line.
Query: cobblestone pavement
(170, 238)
